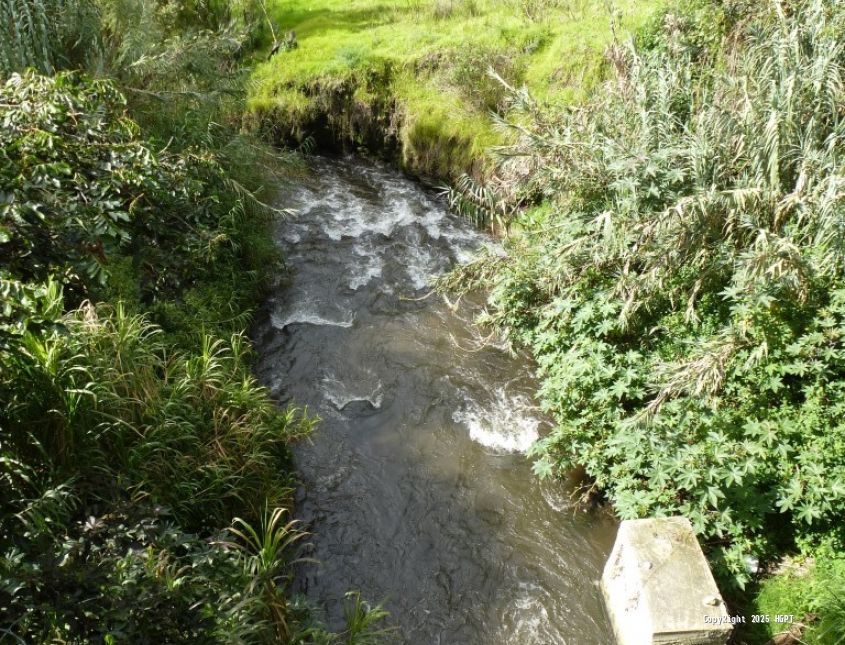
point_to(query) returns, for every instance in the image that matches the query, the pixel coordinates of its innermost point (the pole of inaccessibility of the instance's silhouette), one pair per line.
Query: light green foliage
(265, 552)
(362, 622)
(418, 68)
(813, 592)
(684, 294)
(45, 34)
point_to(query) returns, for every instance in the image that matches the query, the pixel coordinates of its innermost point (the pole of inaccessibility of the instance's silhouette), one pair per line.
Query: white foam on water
(529, 616)
(346, 220)
(308, 318)
(351, 217)
(509, 424)
(341, 395)
(431, 221)
(397, 213)
(292, 235)
(420, 266)
(555, 498)
(370, 267)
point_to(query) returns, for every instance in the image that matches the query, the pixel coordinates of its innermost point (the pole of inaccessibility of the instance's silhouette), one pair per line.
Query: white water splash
(529, 616)
(341, 395)
(370, 267)
(509, 424)
(420, 265)
(308, 318)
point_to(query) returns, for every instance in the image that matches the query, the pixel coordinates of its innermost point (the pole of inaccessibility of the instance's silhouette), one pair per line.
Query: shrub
(83, 189)
(684, 297)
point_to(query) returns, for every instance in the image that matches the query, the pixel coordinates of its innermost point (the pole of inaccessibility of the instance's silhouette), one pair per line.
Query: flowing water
(415, 486)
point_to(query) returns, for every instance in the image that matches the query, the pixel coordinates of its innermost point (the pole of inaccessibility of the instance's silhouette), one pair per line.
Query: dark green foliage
(127, 447)
(685, 296)
(82, 190)
(76, 178)
(136, 447)
(127, 578)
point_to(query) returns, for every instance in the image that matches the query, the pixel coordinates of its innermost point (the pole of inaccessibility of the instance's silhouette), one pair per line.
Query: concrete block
(659, 589)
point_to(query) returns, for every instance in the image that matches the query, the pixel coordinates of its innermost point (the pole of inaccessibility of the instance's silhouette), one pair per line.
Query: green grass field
(418, 68)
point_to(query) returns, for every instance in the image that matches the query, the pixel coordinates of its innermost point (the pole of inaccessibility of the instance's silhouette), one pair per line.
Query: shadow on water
(415, 485)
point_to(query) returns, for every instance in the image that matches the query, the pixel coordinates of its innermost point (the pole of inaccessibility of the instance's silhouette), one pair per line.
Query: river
(415, 485)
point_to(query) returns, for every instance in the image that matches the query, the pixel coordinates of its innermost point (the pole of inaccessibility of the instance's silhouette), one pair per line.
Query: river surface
(415, 486)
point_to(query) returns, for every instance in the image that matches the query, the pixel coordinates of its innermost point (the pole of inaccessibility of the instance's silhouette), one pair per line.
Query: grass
(420, 68)
(807, 597)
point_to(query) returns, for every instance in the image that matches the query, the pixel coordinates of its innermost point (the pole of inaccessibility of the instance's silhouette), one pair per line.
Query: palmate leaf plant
(683, 288)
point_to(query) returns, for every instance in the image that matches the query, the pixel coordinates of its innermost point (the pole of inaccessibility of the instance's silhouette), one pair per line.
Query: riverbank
(672, 278)
(147, 477)
(617, 370)
(410, 82)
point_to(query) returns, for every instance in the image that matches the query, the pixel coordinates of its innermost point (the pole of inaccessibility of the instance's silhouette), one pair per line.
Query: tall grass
(267, 552)
(46, 34)
(25, 35)
(194, 433)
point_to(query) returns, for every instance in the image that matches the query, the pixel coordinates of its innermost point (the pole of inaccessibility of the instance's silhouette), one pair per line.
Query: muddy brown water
(415, 485)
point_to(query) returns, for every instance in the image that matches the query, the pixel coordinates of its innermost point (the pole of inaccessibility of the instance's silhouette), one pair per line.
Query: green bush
(135, 459)
(684, 296)
(82, 189)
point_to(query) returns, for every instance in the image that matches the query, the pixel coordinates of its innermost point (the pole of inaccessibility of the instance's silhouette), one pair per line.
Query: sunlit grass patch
(430, 59)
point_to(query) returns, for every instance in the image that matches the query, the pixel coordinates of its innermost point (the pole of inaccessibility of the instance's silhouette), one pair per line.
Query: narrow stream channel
(415, 486)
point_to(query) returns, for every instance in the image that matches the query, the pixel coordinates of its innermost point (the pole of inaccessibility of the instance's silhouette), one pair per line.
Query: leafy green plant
(266, 551)
(362, 622)
(684, 293)
(179, 216)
